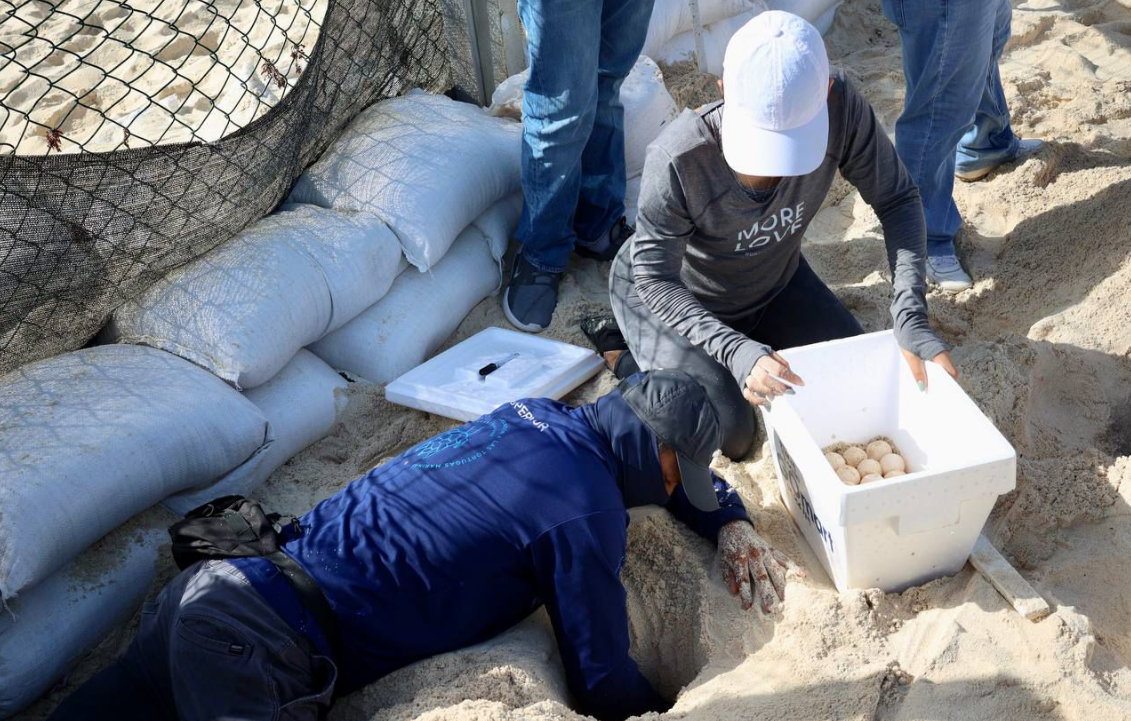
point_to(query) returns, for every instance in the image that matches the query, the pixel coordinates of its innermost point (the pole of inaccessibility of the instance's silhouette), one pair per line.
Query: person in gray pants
(714, 280)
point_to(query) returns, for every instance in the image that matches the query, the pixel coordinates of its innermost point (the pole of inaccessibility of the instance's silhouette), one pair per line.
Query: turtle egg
(853, 455)
(835, 460)
(893, 462)
(878, 449)
(849, 475)
(893, 474)
(871, 477)
(868, 466)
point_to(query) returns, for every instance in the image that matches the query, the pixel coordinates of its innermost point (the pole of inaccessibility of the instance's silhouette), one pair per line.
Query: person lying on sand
(714, 280)
(446, 545)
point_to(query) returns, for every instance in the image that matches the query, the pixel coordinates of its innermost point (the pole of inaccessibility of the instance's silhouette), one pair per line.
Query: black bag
(234, 527)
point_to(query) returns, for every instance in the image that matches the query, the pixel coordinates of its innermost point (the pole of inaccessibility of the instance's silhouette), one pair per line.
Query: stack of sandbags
(445, 177)
(671, 18)
(302, 403)
(720, 25)
(90, 439)
(406, 326)
(243, 310)
(93, 437)
(425, 164)
(648, 108)
(48, 628)
(820, 13)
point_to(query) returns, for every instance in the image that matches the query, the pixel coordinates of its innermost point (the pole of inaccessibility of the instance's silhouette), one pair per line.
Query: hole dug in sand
(666, 576)
(1117, 438)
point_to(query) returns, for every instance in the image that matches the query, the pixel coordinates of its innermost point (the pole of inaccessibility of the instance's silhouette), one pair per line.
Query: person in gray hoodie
(714, 280)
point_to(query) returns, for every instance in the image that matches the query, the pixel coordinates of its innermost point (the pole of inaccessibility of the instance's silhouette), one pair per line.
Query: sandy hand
(751, 567)
(770, 377)
(919, 367)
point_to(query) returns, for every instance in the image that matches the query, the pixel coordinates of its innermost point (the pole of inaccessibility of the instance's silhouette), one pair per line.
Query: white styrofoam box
(450, 385)
(302, 404)
(46, 631)
(898, 532)
(243, 310)
(425, 164)
(93, 437)
(648, 107)
(416, 316)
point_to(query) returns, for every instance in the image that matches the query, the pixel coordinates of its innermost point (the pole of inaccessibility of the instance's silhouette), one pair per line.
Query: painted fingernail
(922, 385)
(790, 392)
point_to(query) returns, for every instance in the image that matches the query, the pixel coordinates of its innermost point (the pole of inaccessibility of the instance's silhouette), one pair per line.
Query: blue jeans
(573, 172)
(210, 647)
(955, 113)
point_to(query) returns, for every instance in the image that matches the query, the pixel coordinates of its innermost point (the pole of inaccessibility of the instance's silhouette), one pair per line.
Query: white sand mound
(1043, 341)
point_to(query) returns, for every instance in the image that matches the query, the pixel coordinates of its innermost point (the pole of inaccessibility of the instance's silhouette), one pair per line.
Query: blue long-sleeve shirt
(464, 535)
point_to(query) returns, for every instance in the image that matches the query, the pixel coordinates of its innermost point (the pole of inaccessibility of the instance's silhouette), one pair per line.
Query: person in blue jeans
(573, 167)
(955, 120)
(714, 282)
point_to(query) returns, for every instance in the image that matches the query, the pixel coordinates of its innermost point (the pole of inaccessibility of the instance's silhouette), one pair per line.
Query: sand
(1044, 344)
(107, 75)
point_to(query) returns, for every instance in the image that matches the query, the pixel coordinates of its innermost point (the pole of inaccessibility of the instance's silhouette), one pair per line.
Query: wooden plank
(1008, 582)
(514, 39)
(700, 48)
(479, 37)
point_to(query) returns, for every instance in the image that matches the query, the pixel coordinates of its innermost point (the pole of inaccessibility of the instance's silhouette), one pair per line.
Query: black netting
(137, 136)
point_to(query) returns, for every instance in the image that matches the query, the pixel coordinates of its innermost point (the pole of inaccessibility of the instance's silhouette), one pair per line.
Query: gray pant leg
(221, 651)
(655, 345)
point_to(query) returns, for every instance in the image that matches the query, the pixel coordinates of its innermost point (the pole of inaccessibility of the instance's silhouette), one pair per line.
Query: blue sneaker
(531, 296)
(607, 246)
(1025, 148)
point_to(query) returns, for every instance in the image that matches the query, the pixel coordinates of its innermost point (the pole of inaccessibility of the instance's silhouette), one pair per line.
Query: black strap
(309, 595)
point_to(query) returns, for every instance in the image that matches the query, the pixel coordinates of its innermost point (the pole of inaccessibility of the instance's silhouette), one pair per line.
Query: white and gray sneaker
(1025, 148)
(946, 272)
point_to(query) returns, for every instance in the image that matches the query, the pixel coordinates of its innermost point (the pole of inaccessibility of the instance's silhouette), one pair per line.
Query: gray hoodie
(708, 252)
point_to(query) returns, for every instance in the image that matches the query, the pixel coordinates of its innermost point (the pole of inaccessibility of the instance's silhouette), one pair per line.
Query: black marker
(492, 367)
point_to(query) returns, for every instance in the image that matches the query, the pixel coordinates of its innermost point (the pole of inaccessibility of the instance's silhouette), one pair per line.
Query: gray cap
(675, 407)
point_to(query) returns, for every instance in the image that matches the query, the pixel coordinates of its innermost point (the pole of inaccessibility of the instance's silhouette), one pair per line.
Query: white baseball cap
(776, 84)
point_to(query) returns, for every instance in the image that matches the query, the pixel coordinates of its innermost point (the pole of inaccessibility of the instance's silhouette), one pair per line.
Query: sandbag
(632, 199)
(499, 223)
(48, 629)
(820, 13)
(672, 17)
(681, 47)
(243, 310)
(93, 437)
(648, 107)
(427, 165)
(652, 109)
(417, 315)
(301, 404)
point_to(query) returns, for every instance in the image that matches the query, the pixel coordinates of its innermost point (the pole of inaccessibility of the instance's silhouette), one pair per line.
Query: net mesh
(136, 136)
